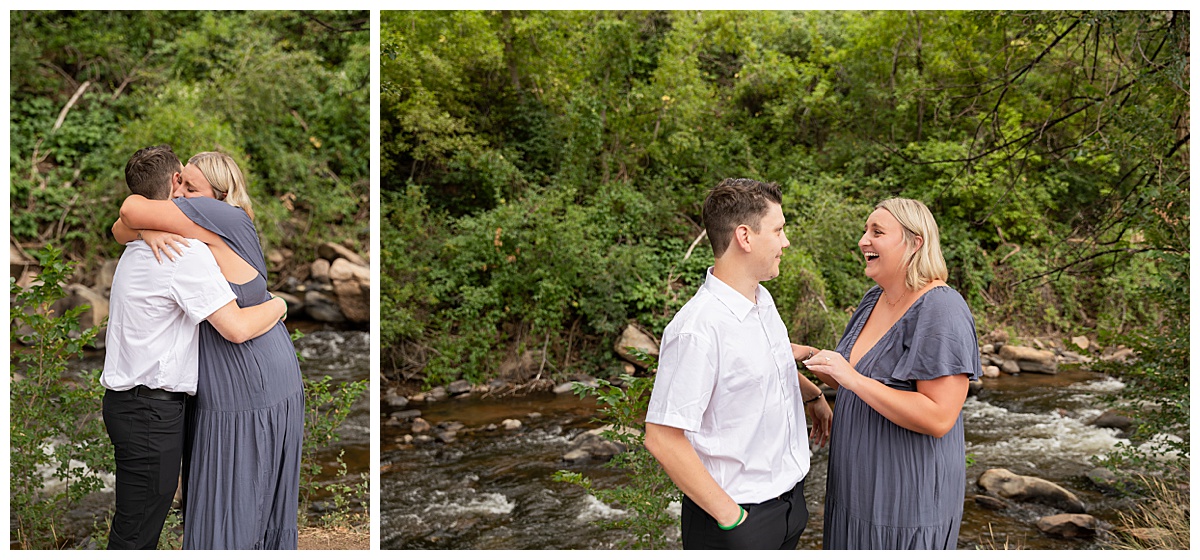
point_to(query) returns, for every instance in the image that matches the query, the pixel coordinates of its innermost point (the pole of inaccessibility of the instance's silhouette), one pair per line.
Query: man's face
(192, 184)
(768, 244)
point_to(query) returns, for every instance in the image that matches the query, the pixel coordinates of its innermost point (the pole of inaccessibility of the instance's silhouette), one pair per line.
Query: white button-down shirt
(154, 314)
(727, 377)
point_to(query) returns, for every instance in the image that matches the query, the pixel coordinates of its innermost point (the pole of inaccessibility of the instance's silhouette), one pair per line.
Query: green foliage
(542, 174)
(285, 93)
(55, 427)
(326, 408)
(649, 491)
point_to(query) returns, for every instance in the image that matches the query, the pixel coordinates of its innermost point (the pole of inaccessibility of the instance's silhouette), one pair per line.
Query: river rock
(352, 285)
(1104, 480)
(637, 338)
(991, 372)
(510, 424)
(593, 445)
(1006, 484)
(1009, 366)
(1121, 354)
(1069, 525)
(322, 308)
(78, 294)
(1081, 341)
(1030, 359)
(459, 387)
(104, 278)
(420, 425)
(1075, 358)
(987, 349)
(1112, 419)
(319, 271)
(436, 394)
(332, 251)
(990, 502)
(405, 414)
(277, 257)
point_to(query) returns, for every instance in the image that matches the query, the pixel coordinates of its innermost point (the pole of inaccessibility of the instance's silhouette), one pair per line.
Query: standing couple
(199, 367)
(726, 416)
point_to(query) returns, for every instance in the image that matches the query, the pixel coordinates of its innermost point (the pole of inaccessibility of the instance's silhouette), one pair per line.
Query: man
(150, 365)
(726, 417)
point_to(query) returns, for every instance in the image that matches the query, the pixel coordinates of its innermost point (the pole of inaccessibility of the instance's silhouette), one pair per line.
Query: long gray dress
(246, 423)
(890, 487)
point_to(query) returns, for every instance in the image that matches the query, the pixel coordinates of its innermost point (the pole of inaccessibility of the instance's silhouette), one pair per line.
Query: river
(492, 489)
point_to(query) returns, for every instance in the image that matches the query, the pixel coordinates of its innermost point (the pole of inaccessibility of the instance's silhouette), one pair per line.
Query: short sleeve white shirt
(155, 310)
(727, 377)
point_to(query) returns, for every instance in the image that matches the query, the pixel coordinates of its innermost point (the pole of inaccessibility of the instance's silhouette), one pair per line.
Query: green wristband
(741, 516)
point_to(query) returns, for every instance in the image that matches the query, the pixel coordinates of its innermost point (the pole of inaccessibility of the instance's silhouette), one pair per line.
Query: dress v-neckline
(863, 324)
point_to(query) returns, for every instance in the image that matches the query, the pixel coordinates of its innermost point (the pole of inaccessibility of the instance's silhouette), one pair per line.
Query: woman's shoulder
(943, 300)
(213, 209)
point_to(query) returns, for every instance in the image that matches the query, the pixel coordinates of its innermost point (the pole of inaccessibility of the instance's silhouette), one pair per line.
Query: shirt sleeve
(198, 285)
(942, 341)
(683, 386)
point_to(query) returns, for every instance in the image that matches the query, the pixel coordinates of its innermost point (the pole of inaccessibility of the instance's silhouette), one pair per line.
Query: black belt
(158, 394)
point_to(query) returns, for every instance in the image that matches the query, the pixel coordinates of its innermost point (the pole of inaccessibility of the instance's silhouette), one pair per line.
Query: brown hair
(149, 171)
(735, 202)
(225, 177)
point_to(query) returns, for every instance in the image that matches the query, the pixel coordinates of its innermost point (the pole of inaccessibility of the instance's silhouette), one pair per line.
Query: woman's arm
(123, 233)
(931, 410)
(141, 213)
(802, 353)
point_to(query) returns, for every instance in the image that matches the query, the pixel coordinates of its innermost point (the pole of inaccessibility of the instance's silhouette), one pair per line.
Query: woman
(247, 419)
(897, 464)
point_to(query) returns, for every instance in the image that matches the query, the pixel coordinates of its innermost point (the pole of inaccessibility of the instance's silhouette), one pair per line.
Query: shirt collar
(732, 299)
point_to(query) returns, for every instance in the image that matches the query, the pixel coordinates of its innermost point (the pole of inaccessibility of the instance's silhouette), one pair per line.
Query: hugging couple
(726, 418)
(199, 370)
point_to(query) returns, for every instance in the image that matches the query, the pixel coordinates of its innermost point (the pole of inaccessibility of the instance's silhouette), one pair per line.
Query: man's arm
(677, 456)
(818, 410)
(239, 324)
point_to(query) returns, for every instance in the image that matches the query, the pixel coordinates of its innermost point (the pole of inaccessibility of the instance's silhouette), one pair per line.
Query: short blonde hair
(926, 264)
(225, 177)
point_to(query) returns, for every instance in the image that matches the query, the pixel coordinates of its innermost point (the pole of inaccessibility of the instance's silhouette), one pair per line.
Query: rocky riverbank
(333, 288)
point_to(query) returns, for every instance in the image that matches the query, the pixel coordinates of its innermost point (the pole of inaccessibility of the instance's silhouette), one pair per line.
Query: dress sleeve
(941, 340)
(231, 223)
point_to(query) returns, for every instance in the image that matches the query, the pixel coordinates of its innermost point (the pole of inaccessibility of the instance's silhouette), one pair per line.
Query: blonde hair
(225, 177)
(926, 263)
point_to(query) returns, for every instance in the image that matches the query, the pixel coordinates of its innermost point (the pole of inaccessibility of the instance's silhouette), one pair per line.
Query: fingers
(157, 255)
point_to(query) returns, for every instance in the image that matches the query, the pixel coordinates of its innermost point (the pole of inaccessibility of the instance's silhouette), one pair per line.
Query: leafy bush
(55, 426)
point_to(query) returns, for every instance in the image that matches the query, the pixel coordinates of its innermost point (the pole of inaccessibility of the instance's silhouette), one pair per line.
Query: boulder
(637, 338)
(593, 445)
(1069, 525)
(420, 425)
(322, 308)
(319, 271)
(991, 372)
(1010, 366)
(1006, 484)
(1030, 359)
(459, 387)
(1112, 419)
(342, 269)
(104, 278)
(332, 251)
(1081, 341)
(990, 502)
(510, 424)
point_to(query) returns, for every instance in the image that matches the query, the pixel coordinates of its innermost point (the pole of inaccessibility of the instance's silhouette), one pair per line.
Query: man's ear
(741, 236)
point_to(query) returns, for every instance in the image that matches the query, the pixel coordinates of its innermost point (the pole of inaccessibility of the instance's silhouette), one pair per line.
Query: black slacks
(775, 524)
(147, 437)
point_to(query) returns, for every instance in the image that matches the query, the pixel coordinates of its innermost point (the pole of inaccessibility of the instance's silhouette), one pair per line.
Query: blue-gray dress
(246, 423)
(890, 487)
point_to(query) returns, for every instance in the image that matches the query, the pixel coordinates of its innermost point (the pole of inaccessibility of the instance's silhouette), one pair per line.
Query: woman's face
(882, 244)
(193, 184)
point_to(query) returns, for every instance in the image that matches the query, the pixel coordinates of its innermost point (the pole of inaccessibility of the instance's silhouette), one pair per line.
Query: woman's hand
(159, 241)
(832, 368)
(801, 352)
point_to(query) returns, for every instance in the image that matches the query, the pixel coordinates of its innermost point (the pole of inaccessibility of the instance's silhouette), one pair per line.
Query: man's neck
(734, 275)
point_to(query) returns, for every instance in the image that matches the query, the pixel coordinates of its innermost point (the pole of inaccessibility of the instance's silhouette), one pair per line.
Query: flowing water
(492, 488)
